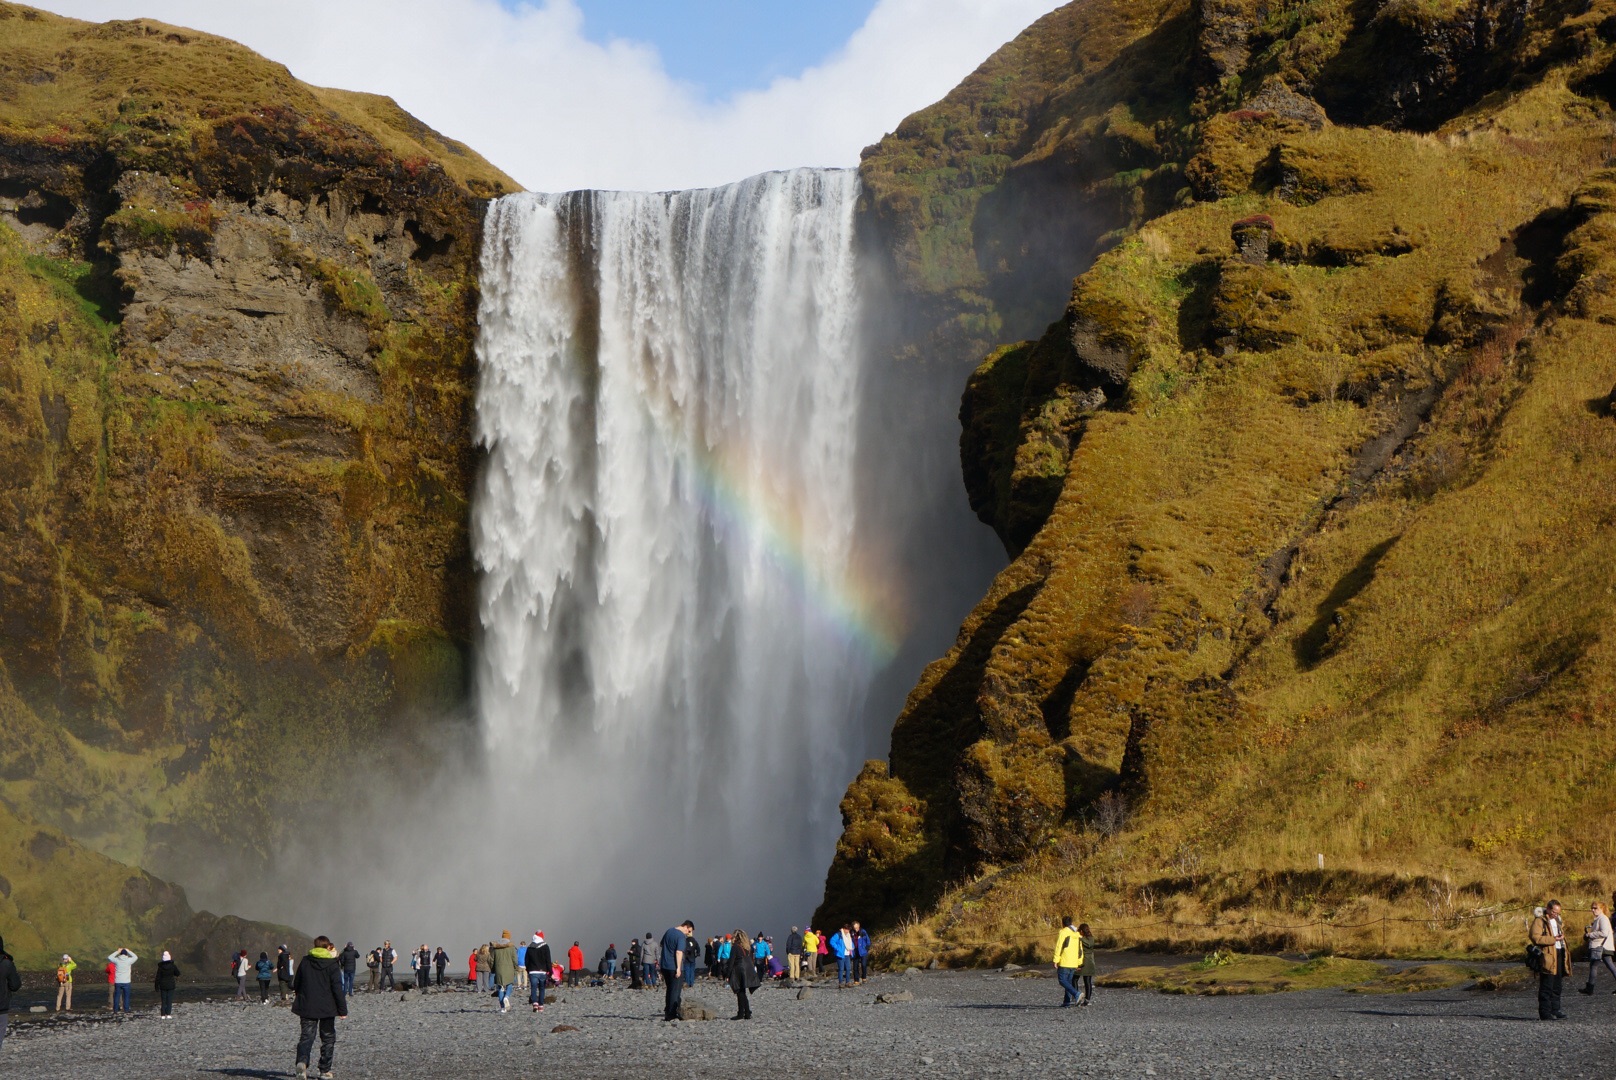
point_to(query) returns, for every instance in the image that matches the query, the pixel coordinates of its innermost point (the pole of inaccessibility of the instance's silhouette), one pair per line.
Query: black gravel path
(961, 1024)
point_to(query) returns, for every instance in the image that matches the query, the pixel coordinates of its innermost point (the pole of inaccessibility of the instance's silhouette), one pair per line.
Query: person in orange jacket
(575, 964)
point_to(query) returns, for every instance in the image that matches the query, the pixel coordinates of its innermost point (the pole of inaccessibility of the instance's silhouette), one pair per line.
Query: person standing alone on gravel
(743, 977)
(123, 961)
(318, 1003)
(349, 959)
(167, 979)
(10, 983)
(575, 964)
(389, 957)
(1068, 960)
(283, 970)
(1548, 933)
(64, 983)
(671, 960)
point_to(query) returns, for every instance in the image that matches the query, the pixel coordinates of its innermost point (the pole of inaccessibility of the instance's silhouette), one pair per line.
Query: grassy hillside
(1310, 493)
(236, 322)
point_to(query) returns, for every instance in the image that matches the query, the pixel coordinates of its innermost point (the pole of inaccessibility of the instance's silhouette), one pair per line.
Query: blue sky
(723, 46)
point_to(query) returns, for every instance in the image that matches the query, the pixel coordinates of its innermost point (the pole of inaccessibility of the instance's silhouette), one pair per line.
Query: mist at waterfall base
(718, 535)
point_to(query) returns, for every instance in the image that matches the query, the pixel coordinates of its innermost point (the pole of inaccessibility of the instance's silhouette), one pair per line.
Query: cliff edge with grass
(1309, 491)
(236, 323)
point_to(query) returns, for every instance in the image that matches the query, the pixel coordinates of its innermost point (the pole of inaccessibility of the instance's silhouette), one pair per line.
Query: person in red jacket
(575, 964)
(471, 976)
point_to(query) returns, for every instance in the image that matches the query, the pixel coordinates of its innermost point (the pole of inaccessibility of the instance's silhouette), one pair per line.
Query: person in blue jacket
(841, 947)
(266, 971)
(861, 954)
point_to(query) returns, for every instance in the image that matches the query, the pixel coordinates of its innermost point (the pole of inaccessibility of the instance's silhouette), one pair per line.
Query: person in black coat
(283, 969)
(537, 961)
(423, 968)
(10, 983)
(168, 977)
(318, 1002)
(349, 958)
(441, 962)
(743, 977)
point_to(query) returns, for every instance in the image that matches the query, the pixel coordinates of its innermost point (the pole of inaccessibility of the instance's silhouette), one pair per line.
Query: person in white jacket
(1601, 944)
(123, 971)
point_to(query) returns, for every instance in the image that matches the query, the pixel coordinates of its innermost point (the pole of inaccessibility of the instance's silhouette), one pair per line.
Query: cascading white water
(678, 634)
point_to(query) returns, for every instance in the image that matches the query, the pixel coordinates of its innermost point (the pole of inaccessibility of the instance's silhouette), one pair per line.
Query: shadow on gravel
(1003, 1005)
(1506, 1017)
(259, 1074)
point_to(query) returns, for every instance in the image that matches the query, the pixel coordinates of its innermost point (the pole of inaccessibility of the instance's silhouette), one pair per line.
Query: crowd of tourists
(321, 982)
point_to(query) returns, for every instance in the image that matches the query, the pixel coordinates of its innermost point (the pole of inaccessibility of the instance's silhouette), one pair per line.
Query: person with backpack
(692, 959)
(239, 967)
(1601, 944)
(266, 971)
(1068, 960)
(64, 983)
(165, 982)
(124, 962)
(318, 1002)
(1547, 935)
(538, 963)
(10, 983)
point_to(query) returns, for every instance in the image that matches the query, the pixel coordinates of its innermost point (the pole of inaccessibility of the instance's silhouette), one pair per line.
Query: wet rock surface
(960, 1024)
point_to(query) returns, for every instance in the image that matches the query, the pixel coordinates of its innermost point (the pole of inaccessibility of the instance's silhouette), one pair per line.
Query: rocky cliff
(236, 319)
(1307, 491)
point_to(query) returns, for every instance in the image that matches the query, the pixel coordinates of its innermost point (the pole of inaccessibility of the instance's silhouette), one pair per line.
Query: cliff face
(235, 372)
(1307, 493)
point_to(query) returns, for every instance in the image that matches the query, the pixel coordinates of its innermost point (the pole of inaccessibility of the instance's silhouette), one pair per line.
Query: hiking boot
(326, 1075)
(302, 1072)
(1586, 990)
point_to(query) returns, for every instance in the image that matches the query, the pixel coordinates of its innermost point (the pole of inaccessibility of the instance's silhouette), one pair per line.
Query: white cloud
(556, 111)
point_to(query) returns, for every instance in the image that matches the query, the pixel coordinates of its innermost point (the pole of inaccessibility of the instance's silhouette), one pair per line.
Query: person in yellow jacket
(1068, 959)
(810, 952)
(64, 983)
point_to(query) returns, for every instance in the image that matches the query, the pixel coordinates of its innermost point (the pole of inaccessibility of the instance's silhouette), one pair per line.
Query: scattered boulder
(696, 1010)
(894, 998)
(559, 1028)
(37, 1009)
(1252, 238)
(1008, 968)
(805, 993)
(933, 966)
(911, 971)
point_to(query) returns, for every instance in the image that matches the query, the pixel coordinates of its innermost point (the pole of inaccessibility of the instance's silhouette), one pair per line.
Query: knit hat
(538, 937)
(505, 935)
(166, 956)
(66, 958)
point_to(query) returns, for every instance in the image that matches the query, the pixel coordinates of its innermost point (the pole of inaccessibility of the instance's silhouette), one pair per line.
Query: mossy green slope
(236, 322)
(1323, 566)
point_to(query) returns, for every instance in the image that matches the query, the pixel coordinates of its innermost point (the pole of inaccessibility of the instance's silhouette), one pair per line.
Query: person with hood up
(266, 971)
(349, 959)
(743, 977)
(10, 983)
(636, 967)
(318, 1002)
(1068, 960)
(283, 970)
(648, 954)
(124, 961)
(575, 964)
(538, 962)
(503, 958)
(239, 967)
(440, 960)
(167, 979)
(64, 983)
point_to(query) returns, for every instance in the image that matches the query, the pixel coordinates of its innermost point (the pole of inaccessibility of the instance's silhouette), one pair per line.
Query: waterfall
(680, 623)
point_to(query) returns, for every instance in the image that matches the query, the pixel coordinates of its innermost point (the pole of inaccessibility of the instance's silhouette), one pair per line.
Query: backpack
(1534, 960)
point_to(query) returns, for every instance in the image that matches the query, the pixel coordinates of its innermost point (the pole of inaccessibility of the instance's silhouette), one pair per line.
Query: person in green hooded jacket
(503, 958)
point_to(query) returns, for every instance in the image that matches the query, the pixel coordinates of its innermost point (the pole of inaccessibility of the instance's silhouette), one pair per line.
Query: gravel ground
(960, 1024)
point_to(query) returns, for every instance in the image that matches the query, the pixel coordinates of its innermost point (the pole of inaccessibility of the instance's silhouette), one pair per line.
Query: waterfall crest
(678, 630)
